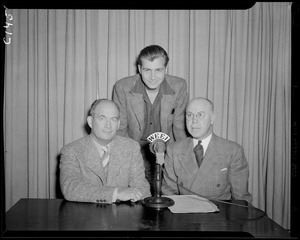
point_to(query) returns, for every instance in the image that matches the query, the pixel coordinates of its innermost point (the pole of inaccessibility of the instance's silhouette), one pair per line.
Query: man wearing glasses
(211, 166)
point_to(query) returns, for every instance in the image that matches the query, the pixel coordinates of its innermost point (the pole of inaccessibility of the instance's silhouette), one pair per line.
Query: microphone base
(158, 202)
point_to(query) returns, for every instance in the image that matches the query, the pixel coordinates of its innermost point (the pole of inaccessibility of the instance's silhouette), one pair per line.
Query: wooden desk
(57, 217)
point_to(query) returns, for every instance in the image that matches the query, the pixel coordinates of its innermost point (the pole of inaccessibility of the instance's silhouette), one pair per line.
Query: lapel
(137, 107)
(187, 160)
(93, 161)
(114, 165)
(210, 162)
(165, 109)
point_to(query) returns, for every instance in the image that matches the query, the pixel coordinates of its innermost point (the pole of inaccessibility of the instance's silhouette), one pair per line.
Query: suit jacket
(222, 175)
(131, 104)
(82, 176)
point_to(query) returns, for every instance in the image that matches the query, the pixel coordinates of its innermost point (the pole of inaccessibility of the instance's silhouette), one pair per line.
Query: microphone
(157, 146)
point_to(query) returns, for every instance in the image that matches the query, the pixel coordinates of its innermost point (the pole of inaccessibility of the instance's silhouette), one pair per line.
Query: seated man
(103, 167)
(215, 169)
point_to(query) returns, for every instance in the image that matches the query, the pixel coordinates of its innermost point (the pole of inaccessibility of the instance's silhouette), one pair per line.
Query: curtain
(59, 61)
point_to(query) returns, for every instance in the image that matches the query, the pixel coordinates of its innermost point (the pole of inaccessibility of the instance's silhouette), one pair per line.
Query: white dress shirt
(104, 163)
(204, 142)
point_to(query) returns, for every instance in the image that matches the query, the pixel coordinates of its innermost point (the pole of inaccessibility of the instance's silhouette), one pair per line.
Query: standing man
(209, 165)
(103, 167)
(151, 101)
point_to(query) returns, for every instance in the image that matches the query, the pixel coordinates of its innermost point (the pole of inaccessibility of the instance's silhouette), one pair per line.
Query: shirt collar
(138, 87)
(100, 147)
(204, 142)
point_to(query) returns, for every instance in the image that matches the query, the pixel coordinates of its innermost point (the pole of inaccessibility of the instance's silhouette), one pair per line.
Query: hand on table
(131, 194)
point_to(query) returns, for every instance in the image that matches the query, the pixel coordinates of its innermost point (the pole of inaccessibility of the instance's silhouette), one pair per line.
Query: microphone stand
(158, 201)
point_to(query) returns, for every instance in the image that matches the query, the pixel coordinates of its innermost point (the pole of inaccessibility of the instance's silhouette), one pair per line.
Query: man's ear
(89, 121)
(212, 120)
(118, 124)
(139, 68)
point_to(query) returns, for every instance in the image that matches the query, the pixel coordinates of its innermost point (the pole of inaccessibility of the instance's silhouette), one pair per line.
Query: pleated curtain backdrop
(59, 61)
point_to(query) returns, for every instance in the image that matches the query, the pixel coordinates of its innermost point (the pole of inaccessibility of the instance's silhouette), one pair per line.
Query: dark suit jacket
(82, 176)
(172, 116)
(222, 175)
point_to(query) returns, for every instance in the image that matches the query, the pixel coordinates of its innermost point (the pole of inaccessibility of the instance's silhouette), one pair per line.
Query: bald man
(222, 171)
(102, 167)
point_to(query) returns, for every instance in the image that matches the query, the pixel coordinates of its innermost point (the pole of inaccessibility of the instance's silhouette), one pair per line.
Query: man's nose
(195, 119)
(152, 76)
(107, 124)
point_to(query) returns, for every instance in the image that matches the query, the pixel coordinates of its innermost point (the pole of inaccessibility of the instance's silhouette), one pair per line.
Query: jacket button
(218, 185)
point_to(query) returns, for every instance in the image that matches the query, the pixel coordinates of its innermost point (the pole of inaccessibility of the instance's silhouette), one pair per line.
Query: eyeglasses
(199, 115)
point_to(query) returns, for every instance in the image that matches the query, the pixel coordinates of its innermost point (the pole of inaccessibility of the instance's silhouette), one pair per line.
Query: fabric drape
(59, 61)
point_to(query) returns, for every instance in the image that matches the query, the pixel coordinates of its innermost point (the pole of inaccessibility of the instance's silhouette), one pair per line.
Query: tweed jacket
(131, 104)
(82, 176)
(222, 175)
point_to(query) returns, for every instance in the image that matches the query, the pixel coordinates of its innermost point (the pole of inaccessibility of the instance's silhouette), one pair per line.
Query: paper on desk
(191, 204)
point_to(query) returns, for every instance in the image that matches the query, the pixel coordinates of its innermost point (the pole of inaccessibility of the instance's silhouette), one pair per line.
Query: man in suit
(151, 101)
(222, 172)
(103, 167)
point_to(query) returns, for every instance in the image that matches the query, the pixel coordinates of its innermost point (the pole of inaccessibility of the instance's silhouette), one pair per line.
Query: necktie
(198, 150)
(104, 157)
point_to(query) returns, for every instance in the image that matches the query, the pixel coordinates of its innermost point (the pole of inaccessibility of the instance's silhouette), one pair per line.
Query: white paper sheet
(191, 204)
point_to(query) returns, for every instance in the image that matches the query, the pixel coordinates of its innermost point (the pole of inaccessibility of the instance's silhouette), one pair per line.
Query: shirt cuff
(114, 198)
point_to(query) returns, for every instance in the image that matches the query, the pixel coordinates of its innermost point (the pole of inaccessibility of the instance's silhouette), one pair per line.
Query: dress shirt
(204, 142)
(101, 152)
(152, 111)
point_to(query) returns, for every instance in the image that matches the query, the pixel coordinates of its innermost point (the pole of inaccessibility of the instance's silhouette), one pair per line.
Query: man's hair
(97, 101)
(152, 52)
(212, 107)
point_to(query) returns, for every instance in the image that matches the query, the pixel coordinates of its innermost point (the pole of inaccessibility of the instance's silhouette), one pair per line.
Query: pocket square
(223, 169)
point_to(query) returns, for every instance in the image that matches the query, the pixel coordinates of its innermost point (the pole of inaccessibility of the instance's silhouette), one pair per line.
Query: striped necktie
(104, 157)
(198, 150)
